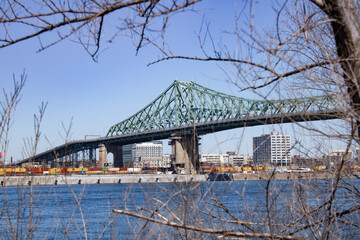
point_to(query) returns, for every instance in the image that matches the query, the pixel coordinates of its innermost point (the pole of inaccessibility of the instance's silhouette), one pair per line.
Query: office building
(273, 149)
(134, 152)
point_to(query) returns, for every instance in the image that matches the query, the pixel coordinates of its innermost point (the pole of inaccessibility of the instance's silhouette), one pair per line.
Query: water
(79, 211)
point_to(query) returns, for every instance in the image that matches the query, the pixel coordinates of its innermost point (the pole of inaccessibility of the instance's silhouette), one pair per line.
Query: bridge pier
(92, 156)
(117, 152)
(185, 151)
(74, 157)
(102, 155)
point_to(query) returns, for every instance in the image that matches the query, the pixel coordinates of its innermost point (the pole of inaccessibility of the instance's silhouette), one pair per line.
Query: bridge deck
(200, 129)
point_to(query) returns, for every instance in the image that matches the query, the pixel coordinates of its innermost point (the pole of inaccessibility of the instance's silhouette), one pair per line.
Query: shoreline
(286, 176)
(74, 179)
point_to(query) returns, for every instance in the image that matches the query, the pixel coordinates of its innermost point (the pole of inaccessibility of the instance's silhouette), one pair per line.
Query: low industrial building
(229, 159)
(153, 162)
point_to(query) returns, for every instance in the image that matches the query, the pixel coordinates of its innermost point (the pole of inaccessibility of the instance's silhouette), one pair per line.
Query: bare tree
(23, 207)
(275, 210)
(7, 109)
(311, 50)
(313, 42)
(313, 46)
(85, 21)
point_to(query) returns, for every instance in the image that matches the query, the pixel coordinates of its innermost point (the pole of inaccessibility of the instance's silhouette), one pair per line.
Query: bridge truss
(187, 103)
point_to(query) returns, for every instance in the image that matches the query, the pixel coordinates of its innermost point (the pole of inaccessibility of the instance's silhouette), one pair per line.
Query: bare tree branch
(71, 18)
(205, 230)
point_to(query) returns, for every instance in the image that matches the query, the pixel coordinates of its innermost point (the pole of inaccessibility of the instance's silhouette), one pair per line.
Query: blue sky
(99, 95)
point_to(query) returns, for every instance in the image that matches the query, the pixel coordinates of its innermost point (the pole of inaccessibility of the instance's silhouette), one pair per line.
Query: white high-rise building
(272, 148)
(147, 149)
(133, 152)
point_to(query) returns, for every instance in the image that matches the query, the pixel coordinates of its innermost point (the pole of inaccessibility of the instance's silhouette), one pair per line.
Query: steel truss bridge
(187, 108)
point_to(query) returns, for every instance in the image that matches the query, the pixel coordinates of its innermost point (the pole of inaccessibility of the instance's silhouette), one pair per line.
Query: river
(85, 211)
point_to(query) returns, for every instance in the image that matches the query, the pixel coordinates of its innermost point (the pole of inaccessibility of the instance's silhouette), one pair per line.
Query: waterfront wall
(149, 178)
(98, 179)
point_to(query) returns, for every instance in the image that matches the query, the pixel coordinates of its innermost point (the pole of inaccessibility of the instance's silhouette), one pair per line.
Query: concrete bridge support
(117, 152)
(185, 150)
(74, 158)
(90, 155)
(102, 155)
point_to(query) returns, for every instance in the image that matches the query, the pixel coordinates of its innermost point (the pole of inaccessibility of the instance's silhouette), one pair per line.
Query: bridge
(185, 111)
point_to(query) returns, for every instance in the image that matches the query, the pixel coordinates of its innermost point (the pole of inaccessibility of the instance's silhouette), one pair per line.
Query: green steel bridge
(187, 108)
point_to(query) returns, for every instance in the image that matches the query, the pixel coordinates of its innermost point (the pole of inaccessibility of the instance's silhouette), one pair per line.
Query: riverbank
(284, 176)
(152, 178)
(98, 179)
